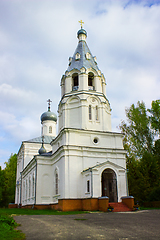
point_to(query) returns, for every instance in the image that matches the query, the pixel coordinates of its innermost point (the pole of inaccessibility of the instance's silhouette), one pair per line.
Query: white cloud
(37, 38)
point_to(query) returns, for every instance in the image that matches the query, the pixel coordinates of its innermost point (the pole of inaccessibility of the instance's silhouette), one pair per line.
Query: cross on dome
(49, 104)
(81, 23)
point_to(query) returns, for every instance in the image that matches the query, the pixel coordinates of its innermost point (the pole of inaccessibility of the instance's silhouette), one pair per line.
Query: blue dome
(48, 116)
(42, 150)
(81, 31)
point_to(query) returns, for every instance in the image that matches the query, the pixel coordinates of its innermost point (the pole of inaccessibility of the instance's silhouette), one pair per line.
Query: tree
(155, 116)
(143, 149)
(9, 178)
(1, 187)
(138, 135)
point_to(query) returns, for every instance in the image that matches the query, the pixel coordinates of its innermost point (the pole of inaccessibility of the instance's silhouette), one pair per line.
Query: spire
(82, 56)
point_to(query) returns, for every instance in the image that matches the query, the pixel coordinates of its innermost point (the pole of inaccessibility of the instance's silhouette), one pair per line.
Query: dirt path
(120, 226)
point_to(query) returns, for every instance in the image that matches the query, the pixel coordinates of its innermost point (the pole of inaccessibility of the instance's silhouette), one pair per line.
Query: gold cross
(81, 23)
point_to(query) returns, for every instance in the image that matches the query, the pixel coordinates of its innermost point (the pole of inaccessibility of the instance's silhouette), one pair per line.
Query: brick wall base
(87, 204)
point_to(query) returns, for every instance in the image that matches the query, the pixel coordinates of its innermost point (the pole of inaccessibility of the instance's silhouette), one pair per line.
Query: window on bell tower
(90, 112)
(90, 81)
(75, 85)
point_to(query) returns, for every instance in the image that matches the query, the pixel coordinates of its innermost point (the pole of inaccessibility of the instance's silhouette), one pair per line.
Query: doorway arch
(109, 184)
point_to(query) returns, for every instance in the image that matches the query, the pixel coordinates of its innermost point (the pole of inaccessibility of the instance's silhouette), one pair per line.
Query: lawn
(23, 211)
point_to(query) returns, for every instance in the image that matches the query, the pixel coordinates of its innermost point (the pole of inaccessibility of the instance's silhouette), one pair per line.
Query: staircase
(119, 207)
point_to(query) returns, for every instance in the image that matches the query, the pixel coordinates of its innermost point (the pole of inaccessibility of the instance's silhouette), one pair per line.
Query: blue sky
(36, 39)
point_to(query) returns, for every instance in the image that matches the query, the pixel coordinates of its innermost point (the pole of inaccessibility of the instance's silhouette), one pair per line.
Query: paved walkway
(118, 226)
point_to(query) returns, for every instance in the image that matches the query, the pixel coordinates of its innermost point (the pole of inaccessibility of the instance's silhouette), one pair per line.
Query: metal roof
(47, 139)
(82, 49)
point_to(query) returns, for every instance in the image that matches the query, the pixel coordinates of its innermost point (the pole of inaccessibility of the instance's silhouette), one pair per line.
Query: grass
(23, 211)
(148, 208)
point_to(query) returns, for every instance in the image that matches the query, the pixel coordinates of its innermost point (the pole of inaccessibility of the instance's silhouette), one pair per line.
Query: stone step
(119, 207)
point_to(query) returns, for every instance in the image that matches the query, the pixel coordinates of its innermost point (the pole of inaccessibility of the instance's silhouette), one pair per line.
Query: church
(83, 167)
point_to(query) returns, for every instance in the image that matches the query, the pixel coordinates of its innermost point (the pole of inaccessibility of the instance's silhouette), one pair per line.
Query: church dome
(81, 31)
(42, 150)
(48, 116)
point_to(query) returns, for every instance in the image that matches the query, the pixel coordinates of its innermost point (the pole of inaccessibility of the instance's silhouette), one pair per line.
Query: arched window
(75, 82)
(26, 189)
(96, 113)
(90, 81)
(56, 182)
(90, 112)
(44, 132)
(33, 185)
(29, 190)
(50, 129)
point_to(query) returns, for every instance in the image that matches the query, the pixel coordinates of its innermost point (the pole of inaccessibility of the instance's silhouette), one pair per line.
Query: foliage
(155, 116)
(143, 150)
(7, 231)
(154, 195)
(8, 181)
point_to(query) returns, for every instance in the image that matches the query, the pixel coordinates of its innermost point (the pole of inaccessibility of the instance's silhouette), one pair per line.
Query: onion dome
(48, 115)
(81, 31)
(42, 149)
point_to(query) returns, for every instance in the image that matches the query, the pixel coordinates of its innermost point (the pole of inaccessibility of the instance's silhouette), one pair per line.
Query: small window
(96, 113)
(50, 129)
(88, 186)
(56, 183)
(88, 56)
(90, 112)
(95, 140)
(77, 56)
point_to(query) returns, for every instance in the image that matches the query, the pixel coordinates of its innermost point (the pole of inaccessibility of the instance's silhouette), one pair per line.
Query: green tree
(143, 149)
(155, 116)
(9, 176)
(138, 135)
(1, 187)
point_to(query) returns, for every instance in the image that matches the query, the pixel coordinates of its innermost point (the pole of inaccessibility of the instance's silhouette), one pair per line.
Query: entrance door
(109, 185)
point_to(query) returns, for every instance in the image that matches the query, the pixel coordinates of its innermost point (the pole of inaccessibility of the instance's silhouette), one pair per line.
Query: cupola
(49, 122)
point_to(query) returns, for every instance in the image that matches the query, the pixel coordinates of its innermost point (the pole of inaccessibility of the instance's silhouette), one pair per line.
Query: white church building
(85, 161)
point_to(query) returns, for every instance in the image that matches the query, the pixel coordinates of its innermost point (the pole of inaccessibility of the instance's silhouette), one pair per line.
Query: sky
(37, 38)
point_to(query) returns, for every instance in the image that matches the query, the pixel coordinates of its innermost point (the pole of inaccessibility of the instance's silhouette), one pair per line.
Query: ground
(118, 226)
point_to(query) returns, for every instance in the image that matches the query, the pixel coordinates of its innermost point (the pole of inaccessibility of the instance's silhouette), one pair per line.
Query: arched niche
(91, 81)
(75, 82)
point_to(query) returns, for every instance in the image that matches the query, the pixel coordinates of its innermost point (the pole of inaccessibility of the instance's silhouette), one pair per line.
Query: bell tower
(83, 103)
